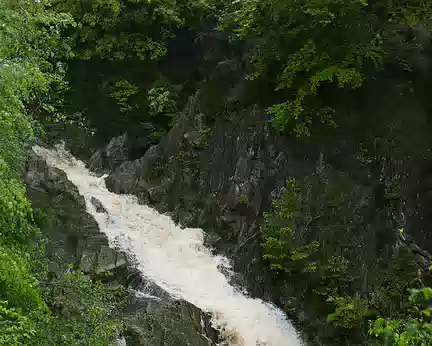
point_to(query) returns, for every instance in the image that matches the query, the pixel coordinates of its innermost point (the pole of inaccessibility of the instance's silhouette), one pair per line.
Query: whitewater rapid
(176, 260)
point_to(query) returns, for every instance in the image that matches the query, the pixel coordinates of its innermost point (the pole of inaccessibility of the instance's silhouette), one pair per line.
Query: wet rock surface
(98, 205)
(113, 155)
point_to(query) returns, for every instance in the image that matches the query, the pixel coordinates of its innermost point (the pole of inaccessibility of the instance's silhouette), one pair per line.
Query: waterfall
(176, 260)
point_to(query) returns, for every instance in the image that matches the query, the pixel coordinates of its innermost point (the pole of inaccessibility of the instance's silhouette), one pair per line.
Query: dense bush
(413, 328)
(31, 73)
(303, 45)
(318, 276)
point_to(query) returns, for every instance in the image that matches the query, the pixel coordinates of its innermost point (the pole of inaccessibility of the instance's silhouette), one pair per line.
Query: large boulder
(111, 156)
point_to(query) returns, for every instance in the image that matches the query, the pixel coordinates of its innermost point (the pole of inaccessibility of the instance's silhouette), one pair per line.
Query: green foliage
(412, 329)
(125, 29)
(20, 300)
(349, 313)
(161, 101)
(30, 47)
(121, 47)
(334, 278)
(15, 328)
(30, 79)
(316, 276)
(17, 285)
(87, 309)
(122, 93)
(283, 248)
(401, 275)
(15, 210)
(305, 45)
(99, 20)
(409, 12)
(202, 141)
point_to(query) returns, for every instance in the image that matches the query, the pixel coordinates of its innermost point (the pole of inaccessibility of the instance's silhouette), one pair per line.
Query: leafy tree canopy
(121, 29)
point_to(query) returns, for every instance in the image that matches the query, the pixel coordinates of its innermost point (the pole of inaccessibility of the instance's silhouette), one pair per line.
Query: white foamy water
(176, 260)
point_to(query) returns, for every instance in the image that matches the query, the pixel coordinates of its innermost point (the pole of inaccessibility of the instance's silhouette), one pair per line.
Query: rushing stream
(177, 261)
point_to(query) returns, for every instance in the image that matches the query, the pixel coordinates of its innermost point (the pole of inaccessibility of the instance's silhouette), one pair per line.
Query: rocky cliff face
(360, 184)
(220, 181)
(223, 178)
(150, 315)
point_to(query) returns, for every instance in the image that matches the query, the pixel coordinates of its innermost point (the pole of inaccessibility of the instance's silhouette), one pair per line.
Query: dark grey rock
(106, 259)
(113, 155)
(54, 268)
(121, 260)
(192, 136)
(88, 261)
(98, 205)
(157, 194)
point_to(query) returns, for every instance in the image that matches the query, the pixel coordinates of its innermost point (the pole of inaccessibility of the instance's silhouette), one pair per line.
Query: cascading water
(176, 260)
